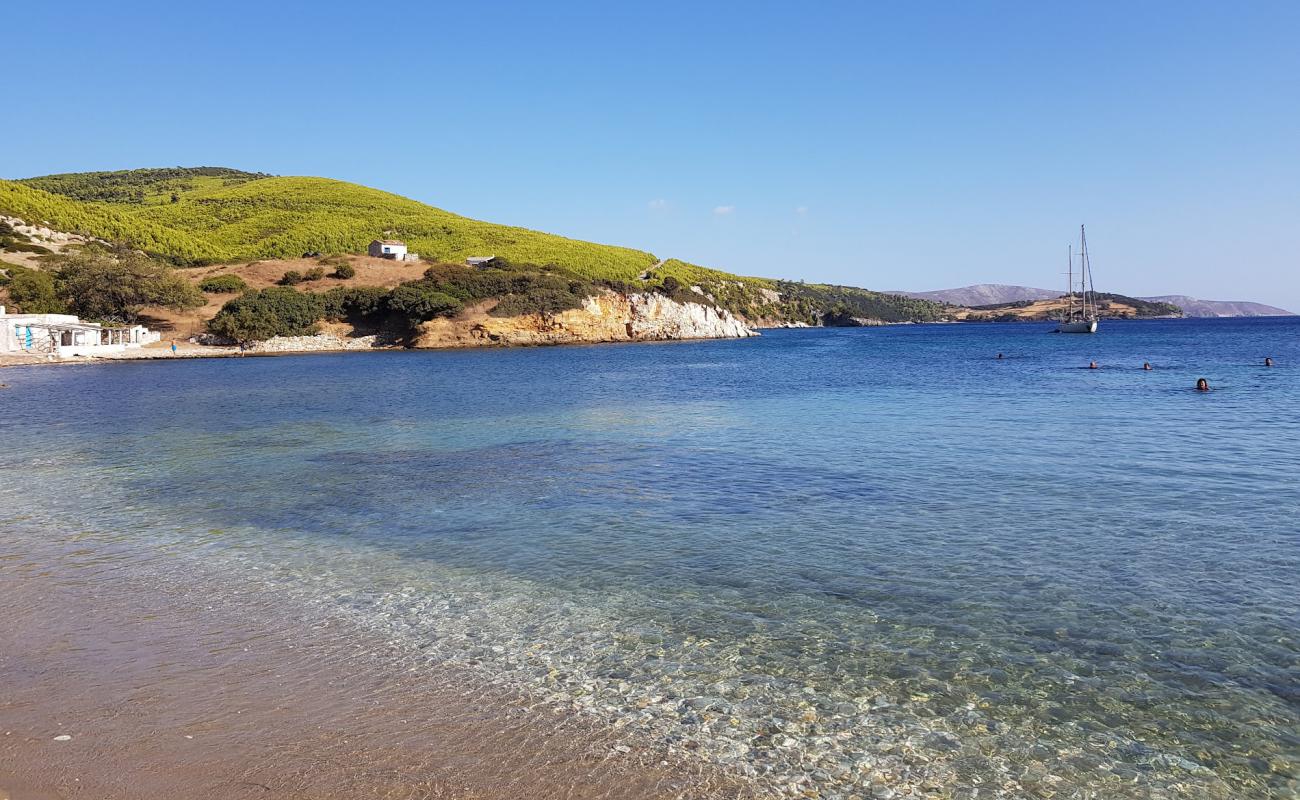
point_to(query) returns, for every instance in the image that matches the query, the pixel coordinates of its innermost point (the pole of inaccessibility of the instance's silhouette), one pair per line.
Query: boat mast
(1083, 269)
(1091, 289)
(1069, 282)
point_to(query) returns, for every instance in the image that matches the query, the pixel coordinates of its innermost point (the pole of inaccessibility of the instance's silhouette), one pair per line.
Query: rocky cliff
(606, 317)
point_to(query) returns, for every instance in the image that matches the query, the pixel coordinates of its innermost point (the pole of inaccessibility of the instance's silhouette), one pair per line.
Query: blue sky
(888, 145)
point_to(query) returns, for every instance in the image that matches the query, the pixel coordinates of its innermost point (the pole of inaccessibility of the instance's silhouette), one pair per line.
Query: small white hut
(388, 248)
(65, 335)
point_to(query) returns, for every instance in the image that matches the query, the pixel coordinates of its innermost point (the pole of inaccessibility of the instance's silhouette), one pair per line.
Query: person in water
(1146, 365)
(999, 356)
(1202, 385)
(1268, 362)
(1093, 365)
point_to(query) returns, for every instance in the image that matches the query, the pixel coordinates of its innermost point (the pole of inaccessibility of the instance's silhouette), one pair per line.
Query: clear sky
(892, 145)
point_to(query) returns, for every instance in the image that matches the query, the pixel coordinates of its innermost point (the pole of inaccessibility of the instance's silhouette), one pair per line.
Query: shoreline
(220, 352)
(195, 351)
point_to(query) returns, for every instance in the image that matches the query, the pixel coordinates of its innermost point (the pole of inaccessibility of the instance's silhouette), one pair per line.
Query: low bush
(223, 284)
(522, 288)
(543, 294)
(314, 274)
(419, 302)
(290, 278)
(343, 302)
(277, 311)
(344, 271)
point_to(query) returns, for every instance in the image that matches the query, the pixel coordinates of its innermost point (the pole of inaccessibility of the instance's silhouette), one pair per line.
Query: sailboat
(1080, 315)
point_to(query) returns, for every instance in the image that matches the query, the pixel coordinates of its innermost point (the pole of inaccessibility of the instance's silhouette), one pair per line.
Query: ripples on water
(833, 559)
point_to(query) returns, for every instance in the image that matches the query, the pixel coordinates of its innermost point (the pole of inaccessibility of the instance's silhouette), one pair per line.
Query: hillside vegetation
(141, 186)
(213, 215)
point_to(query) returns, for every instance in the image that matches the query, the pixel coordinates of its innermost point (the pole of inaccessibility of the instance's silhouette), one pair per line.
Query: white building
(391, 249)
(388, 248)
(480, 262)
(65, 336)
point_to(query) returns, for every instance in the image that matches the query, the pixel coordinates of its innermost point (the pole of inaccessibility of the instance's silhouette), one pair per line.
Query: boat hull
(1082, 326)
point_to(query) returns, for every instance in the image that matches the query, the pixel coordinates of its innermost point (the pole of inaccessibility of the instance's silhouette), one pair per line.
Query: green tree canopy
(33, 292)
(101, 284)
(277, 311)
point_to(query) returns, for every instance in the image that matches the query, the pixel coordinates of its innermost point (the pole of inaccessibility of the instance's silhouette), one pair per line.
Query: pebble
(880, 738)
(63, 737)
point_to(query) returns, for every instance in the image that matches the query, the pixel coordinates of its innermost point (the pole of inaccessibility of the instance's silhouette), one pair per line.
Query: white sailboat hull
(1082, 326)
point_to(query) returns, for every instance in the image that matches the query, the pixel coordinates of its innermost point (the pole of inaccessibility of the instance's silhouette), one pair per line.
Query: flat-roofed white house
(392, 249)
(66, 336)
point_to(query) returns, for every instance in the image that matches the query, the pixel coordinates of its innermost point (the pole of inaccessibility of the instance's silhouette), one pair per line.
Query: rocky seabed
(749, 707)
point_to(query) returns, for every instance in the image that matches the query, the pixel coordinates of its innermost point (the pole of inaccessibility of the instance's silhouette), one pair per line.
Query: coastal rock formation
(606, 317)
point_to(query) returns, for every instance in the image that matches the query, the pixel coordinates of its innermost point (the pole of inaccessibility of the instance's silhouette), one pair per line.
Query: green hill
(208, 215)
(141, 186)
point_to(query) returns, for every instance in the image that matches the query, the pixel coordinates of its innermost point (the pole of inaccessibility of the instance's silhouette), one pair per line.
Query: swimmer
(1146, 365)
(1093, 365)
(999, 356)
(1202, 385)
(1268, 362)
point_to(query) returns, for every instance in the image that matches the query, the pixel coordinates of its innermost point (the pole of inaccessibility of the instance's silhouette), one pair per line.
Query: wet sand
(174, 690)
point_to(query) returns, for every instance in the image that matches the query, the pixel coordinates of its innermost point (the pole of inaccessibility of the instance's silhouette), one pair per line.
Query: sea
(837, 563)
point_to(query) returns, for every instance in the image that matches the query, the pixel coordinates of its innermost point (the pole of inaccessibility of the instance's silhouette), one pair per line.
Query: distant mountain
(992, 294)
(1193, 307)
(984, 294)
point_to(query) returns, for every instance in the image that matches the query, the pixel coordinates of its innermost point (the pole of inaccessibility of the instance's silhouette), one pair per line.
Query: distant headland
(213, 257)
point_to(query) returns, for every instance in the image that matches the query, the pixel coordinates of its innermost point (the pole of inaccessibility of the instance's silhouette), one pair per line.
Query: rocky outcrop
(320, 342)
(606, 317)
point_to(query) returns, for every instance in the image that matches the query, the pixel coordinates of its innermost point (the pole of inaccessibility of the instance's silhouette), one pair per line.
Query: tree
(117, 285)
(33, 292)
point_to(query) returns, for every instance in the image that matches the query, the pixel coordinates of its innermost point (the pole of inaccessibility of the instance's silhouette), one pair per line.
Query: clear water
(833, 560)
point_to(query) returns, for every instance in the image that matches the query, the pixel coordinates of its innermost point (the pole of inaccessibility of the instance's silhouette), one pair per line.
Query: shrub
(278, 311)
(314, 274)
(522, 288)
(542, 298)
(344, 271)
(291, 278)
(419, 301)
(342, 302)
(223, 284)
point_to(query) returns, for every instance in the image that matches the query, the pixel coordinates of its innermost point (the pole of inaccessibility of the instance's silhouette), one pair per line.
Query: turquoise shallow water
(831, 559)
